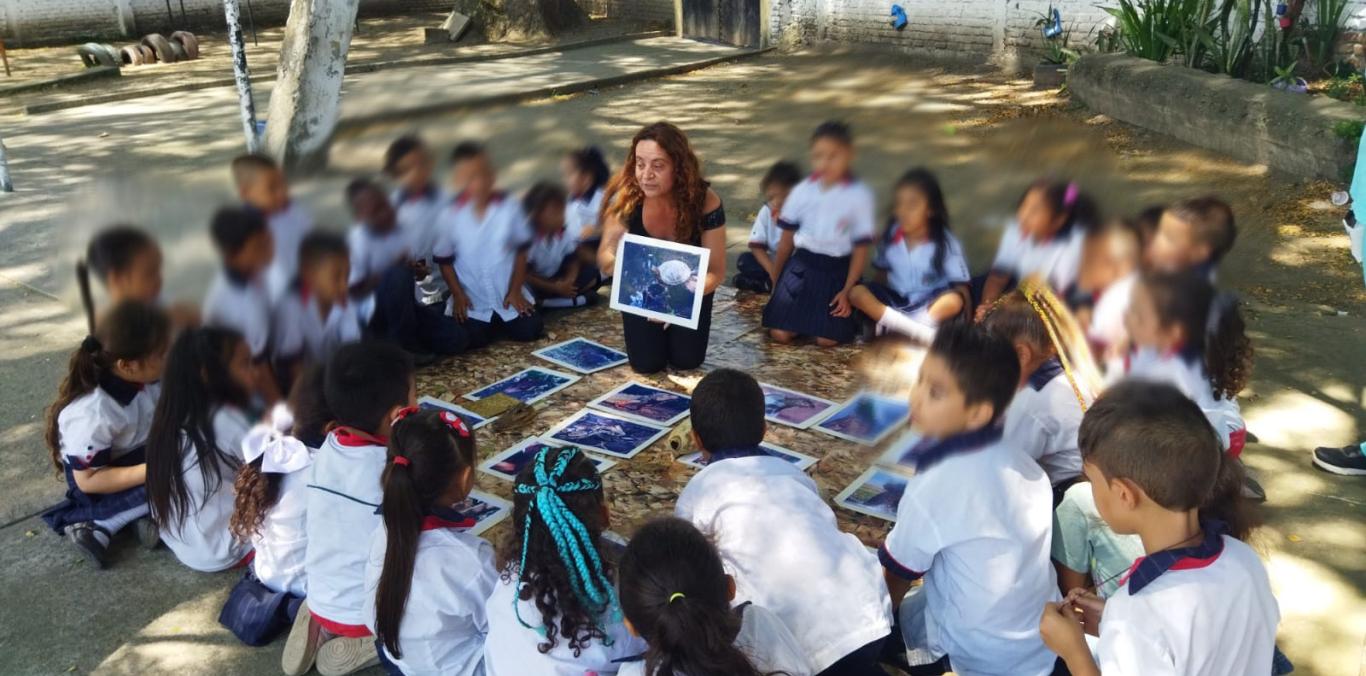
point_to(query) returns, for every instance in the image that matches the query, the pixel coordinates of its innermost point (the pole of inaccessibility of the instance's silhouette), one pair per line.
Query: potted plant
(1286, 80)
(1051, 71)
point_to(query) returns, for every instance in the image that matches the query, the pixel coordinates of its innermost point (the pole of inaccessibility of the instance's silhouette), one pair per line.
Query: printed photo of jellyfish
(660, 280)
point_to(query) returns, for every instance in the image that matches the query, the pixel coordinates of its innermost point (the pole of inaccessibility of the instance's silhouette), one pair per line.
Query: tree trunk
(516, 20)
(306, 101)
(5, 184)
(242, 74)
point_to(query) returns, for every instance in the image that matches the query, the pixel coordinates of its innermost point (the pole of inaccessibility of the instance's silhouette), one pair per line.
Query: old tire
(179, 51)
(148, 54)
(161, 46)
(131, 55)
(187, 40)
(95, 54)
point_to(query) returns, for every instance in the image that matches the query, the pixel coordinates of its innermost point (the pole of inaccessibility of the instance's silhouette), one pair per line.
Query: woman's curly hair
(624, 195)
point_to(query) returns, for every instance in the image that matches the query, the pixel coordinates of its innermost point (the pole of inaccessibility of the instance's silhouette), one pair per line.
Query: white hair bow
(279, 452)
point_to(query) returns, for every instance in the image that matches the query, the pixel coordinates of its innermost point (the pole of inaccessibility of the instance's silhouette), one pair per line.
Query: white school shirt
(547, 252)
(1213, 618)
(1107, 327)
(300, 330)
(582, 212)
(484, 252)
(344, 494)
(1057, 260)
(287, 228)
(203, 540)
(417, 217)
(281, 543)
(765, 232)
(829, 221)
(372, 253)
(511, 649)
(910, 271)
(243, 306)
(763, 637)
(1042, 420)
(979, 525)
(1188, 375)
(444, 623)
(107, 422)
(780, 541)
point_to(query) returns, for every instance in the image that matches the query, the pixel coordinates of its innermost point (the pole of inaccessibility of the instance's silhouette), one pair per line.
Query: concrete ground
(985, 135)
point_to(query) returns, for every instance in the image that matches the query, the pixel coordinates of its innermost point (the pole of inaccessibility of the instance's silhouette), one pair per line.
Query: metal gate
(733, 22)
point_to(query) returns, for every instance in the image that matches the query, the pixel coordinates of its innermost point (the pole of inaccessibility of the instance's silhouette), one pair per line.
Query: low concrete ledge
(96, 73)
(1292, 133)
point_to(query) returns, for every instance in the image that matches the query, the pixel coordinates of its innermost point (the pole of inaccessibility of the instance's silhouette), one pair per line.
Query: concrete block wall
(640, 11)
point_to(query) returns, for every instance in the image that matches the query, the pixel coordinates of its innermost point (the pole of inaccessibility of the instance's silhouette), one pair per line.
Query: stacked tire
(154, 48)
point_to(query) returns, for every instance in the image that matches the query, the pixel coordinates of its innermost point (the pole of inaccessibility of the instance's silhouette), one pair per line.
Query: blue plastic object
(1281, 9)
(898, 17)
(1053, 28)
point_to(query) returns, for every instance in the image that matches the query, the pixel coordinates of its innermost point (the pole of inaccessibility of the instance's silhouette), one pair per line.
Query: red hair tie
(403, 413)
(401, 461)
(454, 422)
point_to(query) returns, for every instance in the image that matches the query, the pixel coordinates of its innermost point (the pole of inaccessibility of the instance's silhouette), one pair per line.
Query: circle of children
(1031, 538)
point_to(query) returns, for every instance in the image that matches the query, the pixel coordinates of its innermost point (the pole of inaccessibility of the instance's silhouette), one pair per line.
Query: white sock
(897, 322)
(117, 522)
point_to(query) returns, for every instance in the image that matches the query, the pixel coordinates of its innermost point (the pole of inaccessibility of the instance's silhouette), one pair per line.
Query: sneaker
(745, 283)
(148, 534)
(346, 655)
(83, 536)
(1348, 460)
(302, 645)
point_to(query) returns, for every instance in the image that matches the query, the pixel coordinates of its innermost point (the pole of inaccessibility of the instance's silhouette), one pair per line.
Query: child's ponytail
(1226, 502)
(1228, 351)
(427, 450)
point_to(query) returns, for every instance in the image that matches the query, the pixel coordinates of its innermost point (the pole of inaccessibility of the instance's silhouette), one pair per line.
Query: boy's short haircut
(1155, 436)
(1014, 319)
(246, 168)
(465, 150)
(1211, 222)
(984, 364)
(728, 410)
(320, 244)
(399, 149)
(358, 186)
(540, 195)
(834, 130)
(113, 248)
(232, 227)
(784, 173)
(366, 380)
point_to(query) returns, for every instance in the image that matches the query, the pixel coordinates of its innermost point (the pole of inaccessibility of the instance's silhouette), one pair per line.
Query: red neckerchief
(353, 438)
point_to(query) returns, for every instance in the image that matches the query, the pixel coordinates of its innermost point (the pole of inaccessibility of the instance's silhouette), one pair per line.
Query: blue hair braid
(578, 552)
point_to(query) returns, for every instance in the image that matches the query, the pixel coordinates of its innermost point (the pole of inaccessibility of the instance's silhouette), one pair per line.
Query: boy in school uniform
(261, 185)
(482, 252)
(1193, 234)
(975, 521)
(417, 201)
(315, 317)
(365, 385)
(555, 271)
(777, 537)
(755, 267)
(1198, 601)
(237, 297)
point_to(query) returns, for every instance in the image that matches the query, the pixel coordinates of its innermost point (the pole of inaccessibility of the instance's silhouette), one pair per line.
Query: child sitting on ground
(426, 580)
(127, 263)
(755, 267)
(974, 521)
(1193, 234)
(365, 384)
(555, 271)
(482, 254)
(776, 534)
(827, 225)
(417, 202)
(1086, 553)
(237, 297)
(315, 317)
(922, 275)
(262, 186)
(1045, 239)
(677, 595)
(1043, 416)
(1109, 269)
(554, 609)
(97, 427)
(585, 174)
(1199, 601)
(195, 447)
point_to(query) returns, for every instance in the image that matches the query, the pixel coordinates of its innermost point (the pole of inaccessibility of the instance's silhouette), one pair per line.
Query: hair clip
(403, 413)
(1070, 197)
(454, 422)
(675, 596)
(402, 461)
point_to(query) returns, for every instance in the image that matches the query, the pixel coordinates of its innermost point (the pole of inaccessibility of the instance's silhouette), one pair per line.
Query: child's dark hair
(555, 549)
(113, 249)
(195, 385)
(358, 186)
(835, 130)
(984, 364)
(426, 453)
(1213, 327)
(466, 150)
(925, 181)
(785, 173)
(232, 227)
(246, 167)
(1067, 198)
(1153, 435)
(318, 245)
(1014, 319)
(727, 410)
(1211, 222)
(590, 161)
(1145, 223)
(130, 331)
(540, 196)
(399, 149)
(675, 594)
(365, 381)
(257, 491)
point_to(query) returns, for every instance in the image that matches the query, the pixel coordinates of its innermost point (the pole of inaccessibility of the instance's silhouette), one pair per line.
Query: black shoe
(421, 359)
(745, 283)
(83, 536)
(148, 535)
(1348, 460)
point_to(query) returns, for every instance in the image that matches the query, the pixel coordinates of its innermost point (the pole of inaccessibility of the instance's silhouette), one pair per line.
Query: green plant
(1146, 28)
(1348, 88)
(1349, 130)
(1055, 41)
(1318, 35)
(1285, 75)
(1229, 36)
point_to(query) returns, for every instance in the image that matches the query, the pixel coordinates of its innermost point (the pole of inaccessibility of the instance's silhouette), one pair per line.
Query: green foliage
(1349, 130)
(1285, 76)
(1055, 49)
(1318, 34)
(1149, 29)
(1229, 36)
(1351, 88)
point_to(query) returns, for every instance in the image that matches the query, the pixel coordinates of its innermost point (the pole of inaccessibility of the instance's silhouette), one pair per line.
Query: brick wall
(640, 11)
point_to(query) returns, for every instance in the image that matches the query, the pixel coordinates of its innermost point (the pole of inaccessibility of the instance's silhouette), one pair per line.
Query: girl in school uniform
(827, 225)
(427, 580)
(554, 610)
(923, 277)
(585, 174)
(97, 427)
(195, 447)
(127, 263)
(677, 595)
(555, 271)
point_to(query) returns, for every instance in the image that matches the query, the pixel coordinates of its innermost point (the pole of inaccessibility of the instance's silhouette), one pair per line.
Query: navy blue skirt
(255, 613)
(801, 300)
(79, 507)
